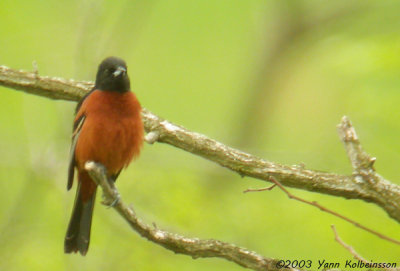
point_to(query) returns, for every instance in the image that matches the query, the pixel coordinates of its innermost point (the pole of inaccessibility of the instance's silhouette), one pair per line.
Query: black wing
(71, 169)
(76, 130)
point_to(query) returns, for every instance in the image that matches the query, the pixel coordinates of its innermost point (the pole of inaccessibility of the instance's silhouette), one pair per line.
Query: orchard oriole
(107, 129)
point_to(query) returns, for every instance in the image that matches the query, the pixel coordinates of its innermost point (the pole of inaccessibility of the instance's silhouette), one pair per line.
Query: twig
(35, 68)
(360, 160)
(324, 209)
(383, 193)
(268, 188)
(354, 253)
(194, 247)
(346, 246)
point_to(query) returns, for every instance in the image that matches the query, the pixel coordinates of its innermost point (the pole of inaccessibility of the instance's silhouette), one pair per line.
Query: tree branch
(359, 159)
(381, 191)
(194, 247)
(365, 184)
(49, 87)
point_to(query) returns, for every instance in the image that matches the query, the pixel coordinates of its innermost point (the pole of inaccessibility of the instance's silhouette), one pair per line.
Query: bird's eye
(109, 70)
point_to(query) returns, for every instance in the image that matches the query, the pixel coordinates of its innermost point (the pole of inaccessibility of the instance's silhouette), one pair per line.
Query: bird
(107, 129)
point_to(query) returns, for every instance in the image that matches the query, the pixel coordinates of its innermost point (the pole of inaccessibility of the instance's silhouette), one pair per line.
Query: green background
(272, 78)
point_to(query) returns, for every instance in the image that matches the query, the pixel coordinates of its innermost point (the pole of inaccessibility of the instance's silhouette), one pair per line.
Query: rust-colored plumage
(107, 129)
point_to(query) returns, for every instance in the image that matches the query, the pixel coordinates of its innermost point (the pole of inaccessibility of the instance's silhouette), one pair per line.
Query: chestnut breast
(112, 133)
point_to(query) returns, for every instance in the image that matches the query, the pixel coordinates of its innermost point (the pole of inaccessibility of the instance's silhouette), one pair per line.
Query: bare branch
(194, 247)
(382, 192)
(355, 254)
(324, 209)
(252, 166)
(346, 246)
(359, 159)
(49, 87)
(268, 188)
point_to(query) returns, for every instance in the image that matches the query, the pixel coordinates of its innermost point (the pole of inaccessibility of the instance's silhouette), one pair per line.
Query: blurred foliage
(269, 77)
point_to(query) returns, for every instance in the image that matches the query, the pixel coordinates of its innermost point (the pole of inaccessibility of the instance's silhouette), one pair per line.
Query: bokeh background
(272, 78)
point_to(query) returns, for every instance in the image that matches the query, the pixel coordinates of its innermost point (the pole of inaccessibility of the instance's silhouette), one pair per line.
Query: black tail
(78, 233)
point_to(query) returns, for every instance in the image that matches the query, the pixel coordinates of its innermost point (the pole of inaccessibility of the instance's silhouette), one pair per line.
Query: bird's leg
(111, 182)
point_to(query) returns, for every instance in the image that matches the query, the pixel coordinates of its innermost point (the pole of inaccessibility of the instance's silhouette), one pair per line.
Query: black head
(112, 75)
